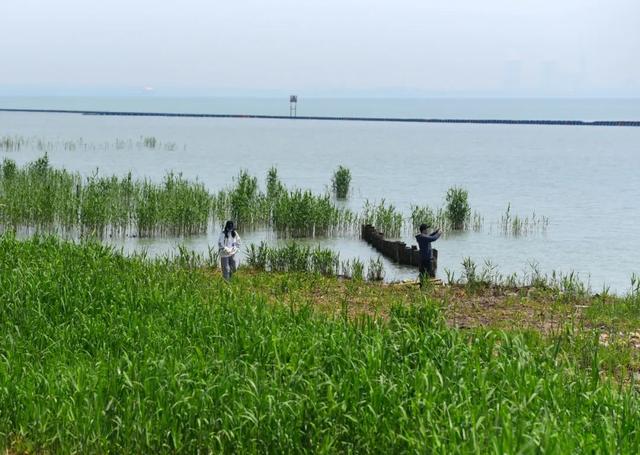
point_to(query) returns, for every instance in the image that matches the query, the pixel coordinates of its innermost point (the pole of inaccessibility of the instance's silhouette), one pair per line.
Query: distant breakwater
(632, 123)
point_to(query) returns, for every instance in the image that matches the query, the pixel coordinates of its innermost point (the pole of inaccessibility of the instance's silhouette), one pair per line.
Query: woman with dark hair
(228, 245)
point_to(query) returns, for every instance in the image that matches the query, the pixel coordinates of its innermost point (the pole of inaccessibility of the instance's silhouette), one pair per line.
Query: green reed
(289, 212)
(302, 214)
(100, 353)
(353, 269)
(39, 195)
(422, 215)
(515, 225)
(45, 198)
(244, 199)
(35, 195)
(12, 143)
(150, 142)
(340, 182)
(293, 257)
(375, 270)
(46, 145)
(457, 207)
(385, 218)
(275, 188)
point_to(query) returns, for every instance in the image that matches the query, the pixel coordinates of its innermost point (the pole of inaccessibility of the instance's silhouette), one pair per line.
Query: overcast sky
(325, 47)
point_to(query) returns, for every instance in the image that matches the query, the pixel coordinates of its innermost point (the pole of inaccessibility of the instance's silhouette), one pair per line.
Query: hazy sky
(341, 47)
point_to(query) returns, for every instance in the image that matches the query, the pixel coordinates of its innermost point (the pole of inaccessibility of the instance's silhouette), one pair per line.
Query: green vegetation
(434, 219)
(375, 271)
(293, 258)
(420, 215)
(385, 218)
(102, 353)
(16, 143)
(340, 182)
(457, 207)
(244, 199)
(353, 269)
(150, 142)
(274, 186)
(517, 226)
(38, 196)
(12, 143)
(302, 214)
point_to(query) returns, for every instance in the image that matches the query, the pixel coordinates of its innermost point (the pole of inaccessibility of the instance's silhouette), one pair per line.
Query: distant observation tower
(293, 106)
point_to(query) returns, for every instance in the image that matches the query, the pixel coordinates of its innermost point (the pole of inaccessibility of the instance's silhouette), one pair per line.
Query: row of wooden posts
(395, 250)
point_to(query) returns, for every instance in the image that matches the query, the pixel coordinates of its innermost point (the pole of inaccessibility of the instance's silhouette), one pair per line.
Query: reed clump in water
(176, 207)
(290, 212)
(12, 143)
(515, 225)
(457, 207)
(150, 142)
(385, 217)
(430, 217)
(375, 270)
(353, 269)
(39, 196)
(293, 257)
(340, 182)
(46, 145)
(300, 213)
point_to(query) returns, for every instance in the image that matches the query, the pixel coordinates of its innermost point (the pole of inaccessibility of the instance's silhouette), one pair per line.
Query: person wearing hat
(424, 242)
(228, 246)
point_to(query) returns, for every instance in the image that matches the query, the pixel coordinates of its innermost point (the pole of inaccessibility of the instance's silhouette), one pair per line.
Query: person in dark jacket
(424, 242)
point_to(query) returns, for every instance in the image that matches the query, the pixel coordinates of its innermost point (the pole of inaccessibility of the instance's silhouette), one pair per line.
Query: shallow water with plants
(563, 198)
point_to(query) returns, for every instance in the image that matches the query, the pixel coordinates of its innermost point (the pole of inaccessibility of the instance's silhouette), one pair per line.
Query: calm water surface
(586, 180)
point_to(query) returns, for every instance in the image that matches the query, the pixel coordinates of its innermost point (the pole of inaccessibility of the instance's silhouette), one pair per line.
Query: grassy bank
(103, 353)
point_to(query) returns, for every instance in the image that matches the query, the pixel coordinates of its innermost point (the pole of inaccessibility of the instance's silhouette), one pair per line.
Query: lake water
(586, 180)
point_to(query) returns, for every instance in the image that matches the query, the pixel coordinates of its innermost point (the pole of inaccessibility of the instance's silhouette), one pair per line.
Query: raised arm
(435, 235)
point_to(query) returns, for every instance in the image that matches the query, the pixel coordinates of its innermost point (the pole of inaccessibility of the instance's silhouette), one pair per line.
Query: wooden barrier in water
(393, 249)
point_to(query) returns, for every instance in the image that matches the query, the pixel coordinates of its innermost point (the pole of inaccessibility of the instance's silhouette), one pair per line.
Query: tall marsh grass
(293, 257)
(45, 198)
(12, 143)
(47, 145)
(385, 217)
(39, 196)
(340, 182)
(515, 225)
(457, 207)
(100, 353)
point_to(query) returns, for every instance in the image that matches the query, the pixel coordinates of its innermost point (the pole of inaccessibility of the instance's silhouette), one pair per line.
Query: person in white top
(228, 246)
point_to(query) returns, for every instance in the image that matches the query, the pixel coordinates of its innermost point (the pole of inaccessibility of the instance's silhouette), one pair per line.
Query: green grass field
(102, 353)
